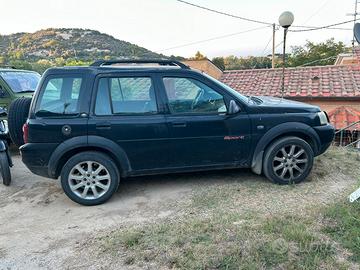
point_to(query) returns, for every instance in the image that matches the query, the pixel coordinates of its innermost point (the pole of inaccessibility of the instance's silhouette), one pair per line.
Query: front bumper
(326, 134)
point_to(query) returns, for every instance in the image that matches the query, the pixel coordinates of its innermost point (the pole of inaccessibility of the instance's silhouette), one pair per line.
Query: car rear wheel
(288, 160)
(90, 178)
(17, 115)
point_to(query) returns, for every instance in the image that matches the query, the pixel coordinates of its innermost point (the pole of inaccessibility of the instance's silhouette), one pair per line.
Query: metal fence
(348, 136)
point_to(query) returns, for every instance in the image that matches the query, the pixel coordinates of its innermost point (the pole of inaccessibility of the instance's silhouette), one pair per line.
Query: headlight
(323, 118)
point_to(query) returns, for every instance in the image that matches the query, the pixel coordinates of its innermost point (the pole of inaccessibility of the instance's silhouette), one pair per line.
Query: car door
(126, 111)
(201, 131)
(57, 115)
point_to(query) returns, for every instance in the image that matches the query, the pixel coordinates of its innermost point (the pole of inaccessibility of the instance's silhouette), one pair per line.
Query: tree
(20, 64)
(198, 56)
(253, 62)
(219, 62)
(316, 54)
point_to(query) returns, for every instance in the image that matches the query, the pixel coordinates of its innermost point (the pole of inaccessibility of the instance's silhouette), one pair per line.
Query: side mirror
(233, 107)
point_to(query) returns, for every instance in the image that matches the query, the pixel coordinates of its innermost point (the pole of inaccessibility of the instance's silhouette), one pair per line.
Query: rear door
(200, 130)
(126, 111)
(58, 114)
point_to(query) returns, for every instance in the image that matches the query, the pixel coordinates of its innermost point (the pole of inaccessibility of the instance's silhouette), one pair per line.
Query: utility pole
(355, 17)
(273, 48)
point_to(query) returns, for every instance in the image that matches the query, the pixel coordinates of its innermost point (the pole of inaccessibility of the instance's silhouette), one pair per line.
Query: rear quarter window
(59, 96)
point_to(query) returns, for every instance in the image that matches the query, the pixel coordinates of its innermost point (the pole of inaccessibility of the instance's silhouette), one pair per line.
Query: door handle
(179, 124)
(104, 125)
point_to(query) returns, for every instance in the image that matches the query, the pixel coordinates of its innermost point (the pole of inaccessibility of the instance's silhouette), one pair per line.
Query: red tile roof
(344, 116)
(300, 82)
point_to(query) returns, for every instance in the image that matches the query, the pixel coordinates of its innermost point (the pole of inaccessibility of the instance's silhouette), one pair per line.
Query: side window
(125, 96)
(191, 96)
(59, 96)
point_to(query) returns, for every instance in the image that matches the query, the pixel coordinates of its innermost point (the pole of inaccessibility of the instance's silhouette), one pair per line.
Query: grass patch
(214, 234)
(346, 161)
(224, 241)
(343, 225)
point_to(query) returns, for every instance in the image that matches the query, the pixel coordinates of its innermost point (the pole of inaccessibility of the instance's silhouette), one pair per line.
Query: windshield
(20, 81)
(232, 91)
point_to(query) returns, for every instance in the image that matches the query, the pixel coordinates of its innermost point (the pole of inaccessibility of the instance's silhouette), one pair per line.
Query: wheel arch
(76, 145)
(300, 130)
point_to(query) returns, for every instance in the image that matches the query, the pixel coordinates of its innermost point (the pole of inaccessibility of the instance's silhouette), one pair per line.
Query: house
(205, 65)
(348, 58)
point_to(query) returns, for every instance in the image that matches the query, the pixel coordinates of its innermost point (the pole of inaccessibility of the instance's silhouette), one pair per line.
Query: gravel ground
(40, 228)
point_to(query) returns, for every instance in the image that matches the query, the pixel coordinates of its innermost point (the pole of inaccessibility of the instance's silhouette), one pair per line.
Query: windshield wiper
(49, 113)
(26, 91)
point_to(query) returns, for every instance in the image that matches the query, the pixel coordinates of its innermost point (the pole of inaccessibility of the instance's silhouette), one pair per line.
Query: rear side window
(130, 95)
(59, 96)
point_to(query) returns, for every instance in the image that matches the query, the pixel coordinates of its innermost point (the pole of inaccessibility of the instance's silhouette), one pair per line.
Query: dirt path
(40, 227)
(39, 224)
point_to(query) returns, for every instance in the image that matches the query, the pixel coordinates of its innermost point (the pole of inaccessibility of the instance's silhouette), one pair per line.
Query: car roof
(119, 69)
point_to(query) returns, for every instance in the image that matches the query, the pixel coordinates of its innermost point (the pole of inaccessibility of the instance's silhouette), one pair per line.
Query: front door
(201, 132)
(126, 112)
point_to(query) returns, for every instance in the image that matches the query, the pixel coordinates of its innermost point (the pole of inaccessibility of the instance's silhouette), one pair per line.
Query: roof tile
(323, 81)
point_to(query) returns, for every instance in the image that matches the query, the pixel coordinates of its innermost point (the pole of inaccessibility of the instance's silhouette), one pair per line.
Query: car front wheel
(90, 178)
(288, 160)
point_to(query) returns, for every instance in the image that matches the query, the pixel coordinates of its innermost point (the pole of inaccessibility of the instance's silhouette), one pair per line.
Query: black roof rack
(100, 63)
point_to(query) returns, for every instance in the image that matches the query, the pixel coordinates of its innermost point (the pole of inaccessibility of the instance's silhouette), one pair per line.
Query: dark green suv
(94, 125)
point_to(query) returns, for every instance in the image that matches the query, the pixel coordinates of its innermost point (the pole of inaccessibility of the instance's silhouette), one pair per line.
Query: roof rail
(161, 62)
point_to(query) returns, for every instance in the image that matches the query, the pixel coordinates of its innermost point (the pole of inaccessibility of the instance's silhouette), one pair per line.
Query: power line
(267, 45)
(330, 28)
(211, 39)
(224, 13)
(322, 27)
(316, 61)
(277, 45)
(252, 20)
(317, 11)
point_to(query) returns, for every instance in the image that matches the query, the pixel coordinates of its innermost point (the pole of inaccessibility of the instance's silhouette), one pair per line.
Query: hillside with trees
(71, 46)
(66, 46)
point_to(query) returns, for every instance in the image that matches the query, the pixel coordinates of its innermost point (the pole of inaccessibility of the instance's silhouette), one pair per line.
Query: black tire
(291, 166)
(68, 182)
(17, 115)
(5, 169)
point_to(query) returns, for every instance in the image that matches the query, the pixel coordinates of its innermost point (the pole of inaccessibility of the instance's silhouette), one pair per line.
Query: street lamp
(285, 20)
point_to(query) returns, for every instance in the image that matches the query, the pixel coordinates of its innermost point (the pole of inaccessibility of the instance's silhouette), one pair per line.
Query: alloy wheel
(89, 180)
(290, 162)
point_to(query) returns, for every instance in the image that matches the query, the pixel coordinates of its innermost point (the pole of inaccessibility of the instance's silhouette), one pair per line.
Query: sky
(160, 25)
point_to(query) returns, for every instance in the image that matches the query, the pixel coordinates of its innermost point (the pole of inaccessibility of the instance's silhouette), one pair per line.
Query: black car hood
(279, 105)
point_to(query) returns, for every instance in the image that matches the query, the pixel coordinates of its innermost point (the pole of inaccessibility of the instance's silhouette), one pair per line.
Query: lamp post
(285, 20)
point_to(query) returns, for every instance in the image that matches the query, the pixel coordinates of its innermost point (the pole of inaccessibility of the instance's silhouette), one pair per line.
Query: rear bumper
(326, 134)
(36, 157)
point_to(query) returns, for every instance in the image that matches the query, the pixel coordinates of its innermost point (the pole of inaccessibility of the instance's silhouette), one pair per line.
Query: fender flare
(88, 142)
(276, 131)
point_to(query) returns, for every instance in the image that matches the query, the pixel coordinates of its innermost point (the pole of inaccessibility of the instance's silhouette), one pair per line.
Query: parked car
(14, 84)
(94, 125)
